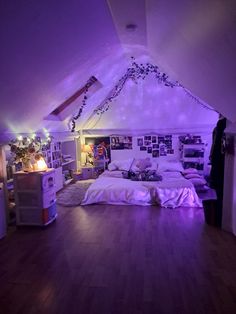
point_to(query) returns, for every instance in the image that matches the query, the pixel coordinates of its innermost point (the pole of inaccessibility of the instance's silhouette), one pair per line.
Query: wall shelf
(67, 162)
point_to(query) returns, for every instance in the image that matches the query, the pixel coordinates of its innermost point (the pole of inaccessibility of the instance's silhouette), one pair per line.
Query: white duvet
(173, 191)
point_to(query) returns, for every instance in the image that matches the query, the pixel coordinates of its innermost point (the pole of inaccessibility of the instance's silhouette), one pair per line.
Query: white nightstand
(88, 172)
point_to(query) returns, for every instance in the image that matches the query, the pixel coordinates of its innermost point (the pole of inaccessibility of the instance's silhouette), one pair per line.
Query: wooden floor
(119, 259)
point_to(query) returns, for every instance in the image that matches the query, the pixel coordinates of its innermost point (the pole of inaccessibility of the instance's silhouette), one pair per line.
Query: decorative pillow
(165, 165)
(133, 166)
(189, 170)
(123, 165)
(112, 166)
(198, 181)
(192, 176)
(142, 164)
(154, 166)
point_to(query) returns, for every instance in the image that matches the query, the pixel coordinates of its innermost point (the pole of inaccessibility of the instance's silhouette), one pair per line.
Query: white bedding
(173, 191)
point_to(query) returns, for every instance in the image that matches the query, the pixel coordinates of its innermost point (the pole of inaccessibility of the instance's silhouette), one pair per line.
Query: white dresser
(35, 197)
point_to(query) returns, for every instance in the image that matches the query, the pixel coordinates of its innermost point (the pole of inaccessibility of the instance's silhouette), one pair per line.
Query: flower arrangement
(27, 150)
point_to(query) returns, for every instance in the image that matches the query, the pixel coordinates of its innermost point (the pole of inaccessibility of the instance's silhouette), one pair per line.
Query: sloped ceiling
(50, 48)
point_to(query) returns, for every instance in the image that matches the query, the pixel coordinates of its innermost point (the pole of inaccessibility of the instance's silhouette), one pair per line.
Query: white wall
(150, 105)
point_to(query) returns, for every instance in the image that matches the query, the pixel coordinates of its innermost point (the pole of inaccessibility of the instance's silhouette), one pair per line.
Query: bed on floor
(171, 190)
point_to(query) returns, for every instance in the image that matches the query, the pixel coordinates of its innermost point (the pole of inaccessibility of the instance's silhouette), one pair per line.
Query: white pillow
(190, 170)
(192, 176)
(123, 165)
(164, 165)
(112, 166)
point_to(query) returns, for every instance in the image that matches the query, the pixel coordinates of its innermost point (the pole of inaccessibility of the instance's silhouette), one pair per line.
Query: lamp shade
(40, 165)
(87, 148)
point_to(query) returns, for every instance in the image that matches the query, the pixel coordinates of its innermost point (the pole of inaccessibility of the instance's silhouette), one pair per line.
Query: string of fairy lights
(136, 72)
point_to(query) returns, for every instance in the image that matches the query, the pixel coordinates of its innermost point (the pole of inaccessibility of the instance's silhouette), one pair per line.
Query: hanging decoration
(135, 72)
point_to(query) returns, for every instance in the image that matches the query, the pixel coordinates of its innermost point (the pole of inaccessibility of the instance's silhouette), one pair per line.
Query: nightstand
(88, 172)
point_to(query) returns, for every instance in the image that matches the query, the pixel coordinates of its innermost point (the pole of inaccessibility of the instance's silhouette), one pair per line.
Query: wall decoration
(155, 153)
(163, 149)
(147, 138)
(121, 142)
(161, 143)
(147, 143)
(190, 139)
(160, 139)
(100, 147)
(154, 139)
(134, 72)
(140, 141)
(143, 148)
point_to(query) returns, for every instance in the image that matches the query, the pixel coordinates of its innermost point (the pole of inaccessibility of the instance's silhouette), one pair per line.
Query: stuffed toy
(143, 164)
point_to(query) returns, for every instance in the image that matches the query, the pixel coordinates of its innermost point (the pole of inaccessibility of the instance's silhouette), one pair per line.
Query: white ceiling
(50, 48)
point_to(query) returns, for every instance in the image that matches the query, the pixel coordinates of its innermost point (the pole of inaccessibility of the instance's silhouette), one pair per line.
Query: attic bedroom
(117, 156)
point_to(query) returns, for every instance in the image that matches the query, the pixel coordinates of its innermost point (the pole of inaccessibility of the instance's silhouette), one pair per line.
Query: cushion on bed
(192, 176)
(143, 164)
(164, 165)
(189, 170)
(123, 165)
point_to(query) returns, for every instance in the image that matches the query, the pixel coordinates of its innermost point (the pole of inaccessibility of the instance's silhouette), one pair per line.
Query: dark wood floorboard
(119, 260)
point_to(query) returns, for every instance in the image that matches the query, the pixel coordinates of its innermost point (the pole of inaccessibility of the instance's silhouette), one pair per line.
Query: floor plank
(119, 259)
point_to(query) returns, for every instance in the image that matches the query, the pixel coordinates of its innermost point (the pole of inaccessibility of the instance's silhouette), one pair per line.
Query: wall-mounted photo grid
(157, 145)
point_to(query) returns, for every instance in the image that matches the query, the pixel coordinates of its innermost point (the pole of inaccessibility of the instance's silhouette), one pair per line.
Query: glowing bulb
(41, 164)
(20, 138)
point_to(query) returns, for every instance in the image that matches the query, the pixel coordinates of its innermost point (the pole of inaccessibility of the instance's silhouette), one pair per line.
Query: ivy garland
(135, 72)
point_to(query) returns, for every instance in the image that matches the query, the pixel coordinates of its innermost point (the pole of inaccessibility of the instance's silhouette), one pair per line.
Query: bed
(172, 191)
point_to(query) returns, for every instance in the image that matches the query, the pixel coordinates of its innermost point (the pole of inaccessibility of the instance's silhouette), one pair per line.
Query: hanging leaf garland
(135, 72)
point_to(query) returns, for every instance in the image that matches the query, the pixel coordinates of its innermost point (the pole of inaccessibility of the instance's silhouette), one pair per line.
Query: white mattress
(173, 191)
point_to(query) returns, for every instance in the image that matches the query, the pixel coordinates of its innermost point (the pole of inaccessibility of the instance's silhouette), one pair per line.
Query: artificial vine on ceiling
(135, 72)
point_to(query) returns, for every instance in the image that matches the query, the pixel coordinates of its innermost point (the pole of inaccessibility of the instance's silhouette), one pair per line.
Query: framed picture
(154, 139)
(149, 149)
(121, 142)
(147, 143)
(147, 138)
(143, 148)
(140, 141)
(155, 153)
(161, 139)
(163, 150)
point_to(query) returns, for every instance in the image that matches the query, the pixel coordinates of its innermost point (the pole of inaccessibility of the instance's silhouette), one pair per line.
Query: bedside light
(88, 151)
(40, 165)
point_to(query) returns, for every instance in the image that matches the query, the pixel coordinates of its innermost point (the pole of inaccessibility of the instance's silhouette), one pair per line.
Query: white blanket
(173, 191)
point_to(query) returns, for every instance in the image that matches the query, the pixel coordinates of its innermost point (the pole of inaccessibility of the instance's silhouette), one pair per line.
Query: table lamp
(88, 151)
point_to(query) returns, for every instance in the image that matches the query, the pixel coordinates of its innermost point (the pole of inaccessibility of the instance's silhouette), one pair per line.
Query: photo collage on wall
(121, 142)
(157, 145)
